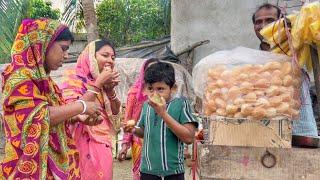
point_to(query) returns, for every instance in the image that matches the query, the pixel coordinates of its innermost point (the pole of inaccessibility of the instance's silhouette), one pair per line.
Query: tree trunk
(90, 20)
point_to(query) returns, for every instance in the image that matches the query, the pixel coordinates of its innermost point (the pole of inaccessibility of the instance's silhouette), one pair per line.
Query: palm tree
(81, 14)
(166, 8)
(90, 19)
(73, 15)
(11, 14)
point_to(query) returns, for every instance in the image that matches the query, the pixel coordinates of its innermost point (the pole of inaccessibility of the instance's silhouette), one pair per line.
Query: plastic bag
(247, 83)
(306, 26)
(129, 69)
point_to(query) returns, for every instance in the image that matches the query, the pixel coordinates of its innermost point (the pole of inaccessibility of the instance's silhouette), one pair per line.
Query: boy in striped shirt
(165, 124)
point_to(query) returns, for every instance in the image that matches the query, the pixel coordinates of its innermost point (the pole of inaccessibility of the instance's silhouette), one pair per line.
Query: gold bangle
(113, 97)
(96, 87)
(92, 91)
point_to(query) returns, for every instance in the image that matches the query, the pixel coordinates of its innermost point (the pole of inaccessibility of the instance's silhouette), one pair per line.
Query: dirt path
(122, 170)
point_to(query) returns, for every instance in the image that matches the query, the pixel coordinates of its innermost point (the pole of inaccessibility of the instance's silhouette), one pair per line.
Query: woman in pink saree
(38, 143)
(94, 142)
(135, 100)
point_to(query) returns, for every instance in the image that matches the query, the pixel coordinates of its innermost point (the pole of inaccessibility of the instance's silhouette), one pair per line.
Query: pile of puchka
(256, 92)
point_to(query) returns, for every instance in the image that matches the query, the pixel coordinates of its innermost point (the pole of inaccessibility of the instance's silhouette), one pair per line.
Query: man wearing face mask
(264, 15)
(306, 126)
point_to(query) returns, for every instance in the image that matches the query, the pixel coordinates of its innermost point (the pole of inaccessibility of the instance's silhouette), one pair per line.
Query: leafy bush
(43, 9)
(130, 21)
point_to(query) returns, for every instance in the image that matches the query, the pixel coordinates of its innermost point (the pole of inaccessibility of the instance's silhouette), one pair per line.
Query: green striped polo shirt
(162, 152)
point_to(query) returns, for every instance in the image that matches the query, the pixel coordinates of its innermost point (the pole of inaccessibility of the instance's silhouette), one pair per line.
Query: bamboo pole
(316, 73)
(193, 46)
(144, 45)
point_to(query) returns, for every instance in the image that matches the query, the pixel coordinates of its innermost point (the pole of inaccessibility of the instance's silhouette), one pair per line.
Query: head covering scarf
(139, 84)
(75, 84)
(34, 149)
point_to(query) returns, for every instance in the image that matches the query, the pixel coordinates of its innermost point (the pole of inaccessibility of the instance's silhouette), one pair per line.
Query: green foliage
(43, 9)
(130, 21)
(72, 15)
(79, 23)
(11, 14)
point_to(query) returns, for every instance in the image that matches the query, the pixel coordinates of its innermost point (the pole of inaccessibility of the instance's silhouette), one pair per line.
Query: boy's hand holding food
(158, 103)
(129, 125)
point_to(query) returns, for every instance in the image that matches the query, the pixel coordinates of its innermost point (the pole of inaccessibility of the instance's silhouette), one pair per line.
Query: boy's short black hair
(160, 72)
(149, 61)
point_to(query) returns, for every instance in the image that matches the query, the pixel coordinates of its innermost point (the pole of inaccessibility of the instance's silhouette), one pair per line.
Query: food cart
(254, 144)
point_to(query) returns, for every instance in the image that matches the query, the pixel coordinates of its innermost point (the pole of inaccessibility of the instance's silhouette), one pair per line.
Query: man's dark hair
(103, 42)
(267, 6)
(65, 35)
(160, 72)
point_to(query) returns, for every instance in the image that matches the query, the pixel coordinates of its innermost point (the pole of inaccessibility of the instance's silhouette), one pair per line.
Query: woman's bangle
(92, 91)
(84, 106)
(113, 97)
(133, 130)
(96, 87)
